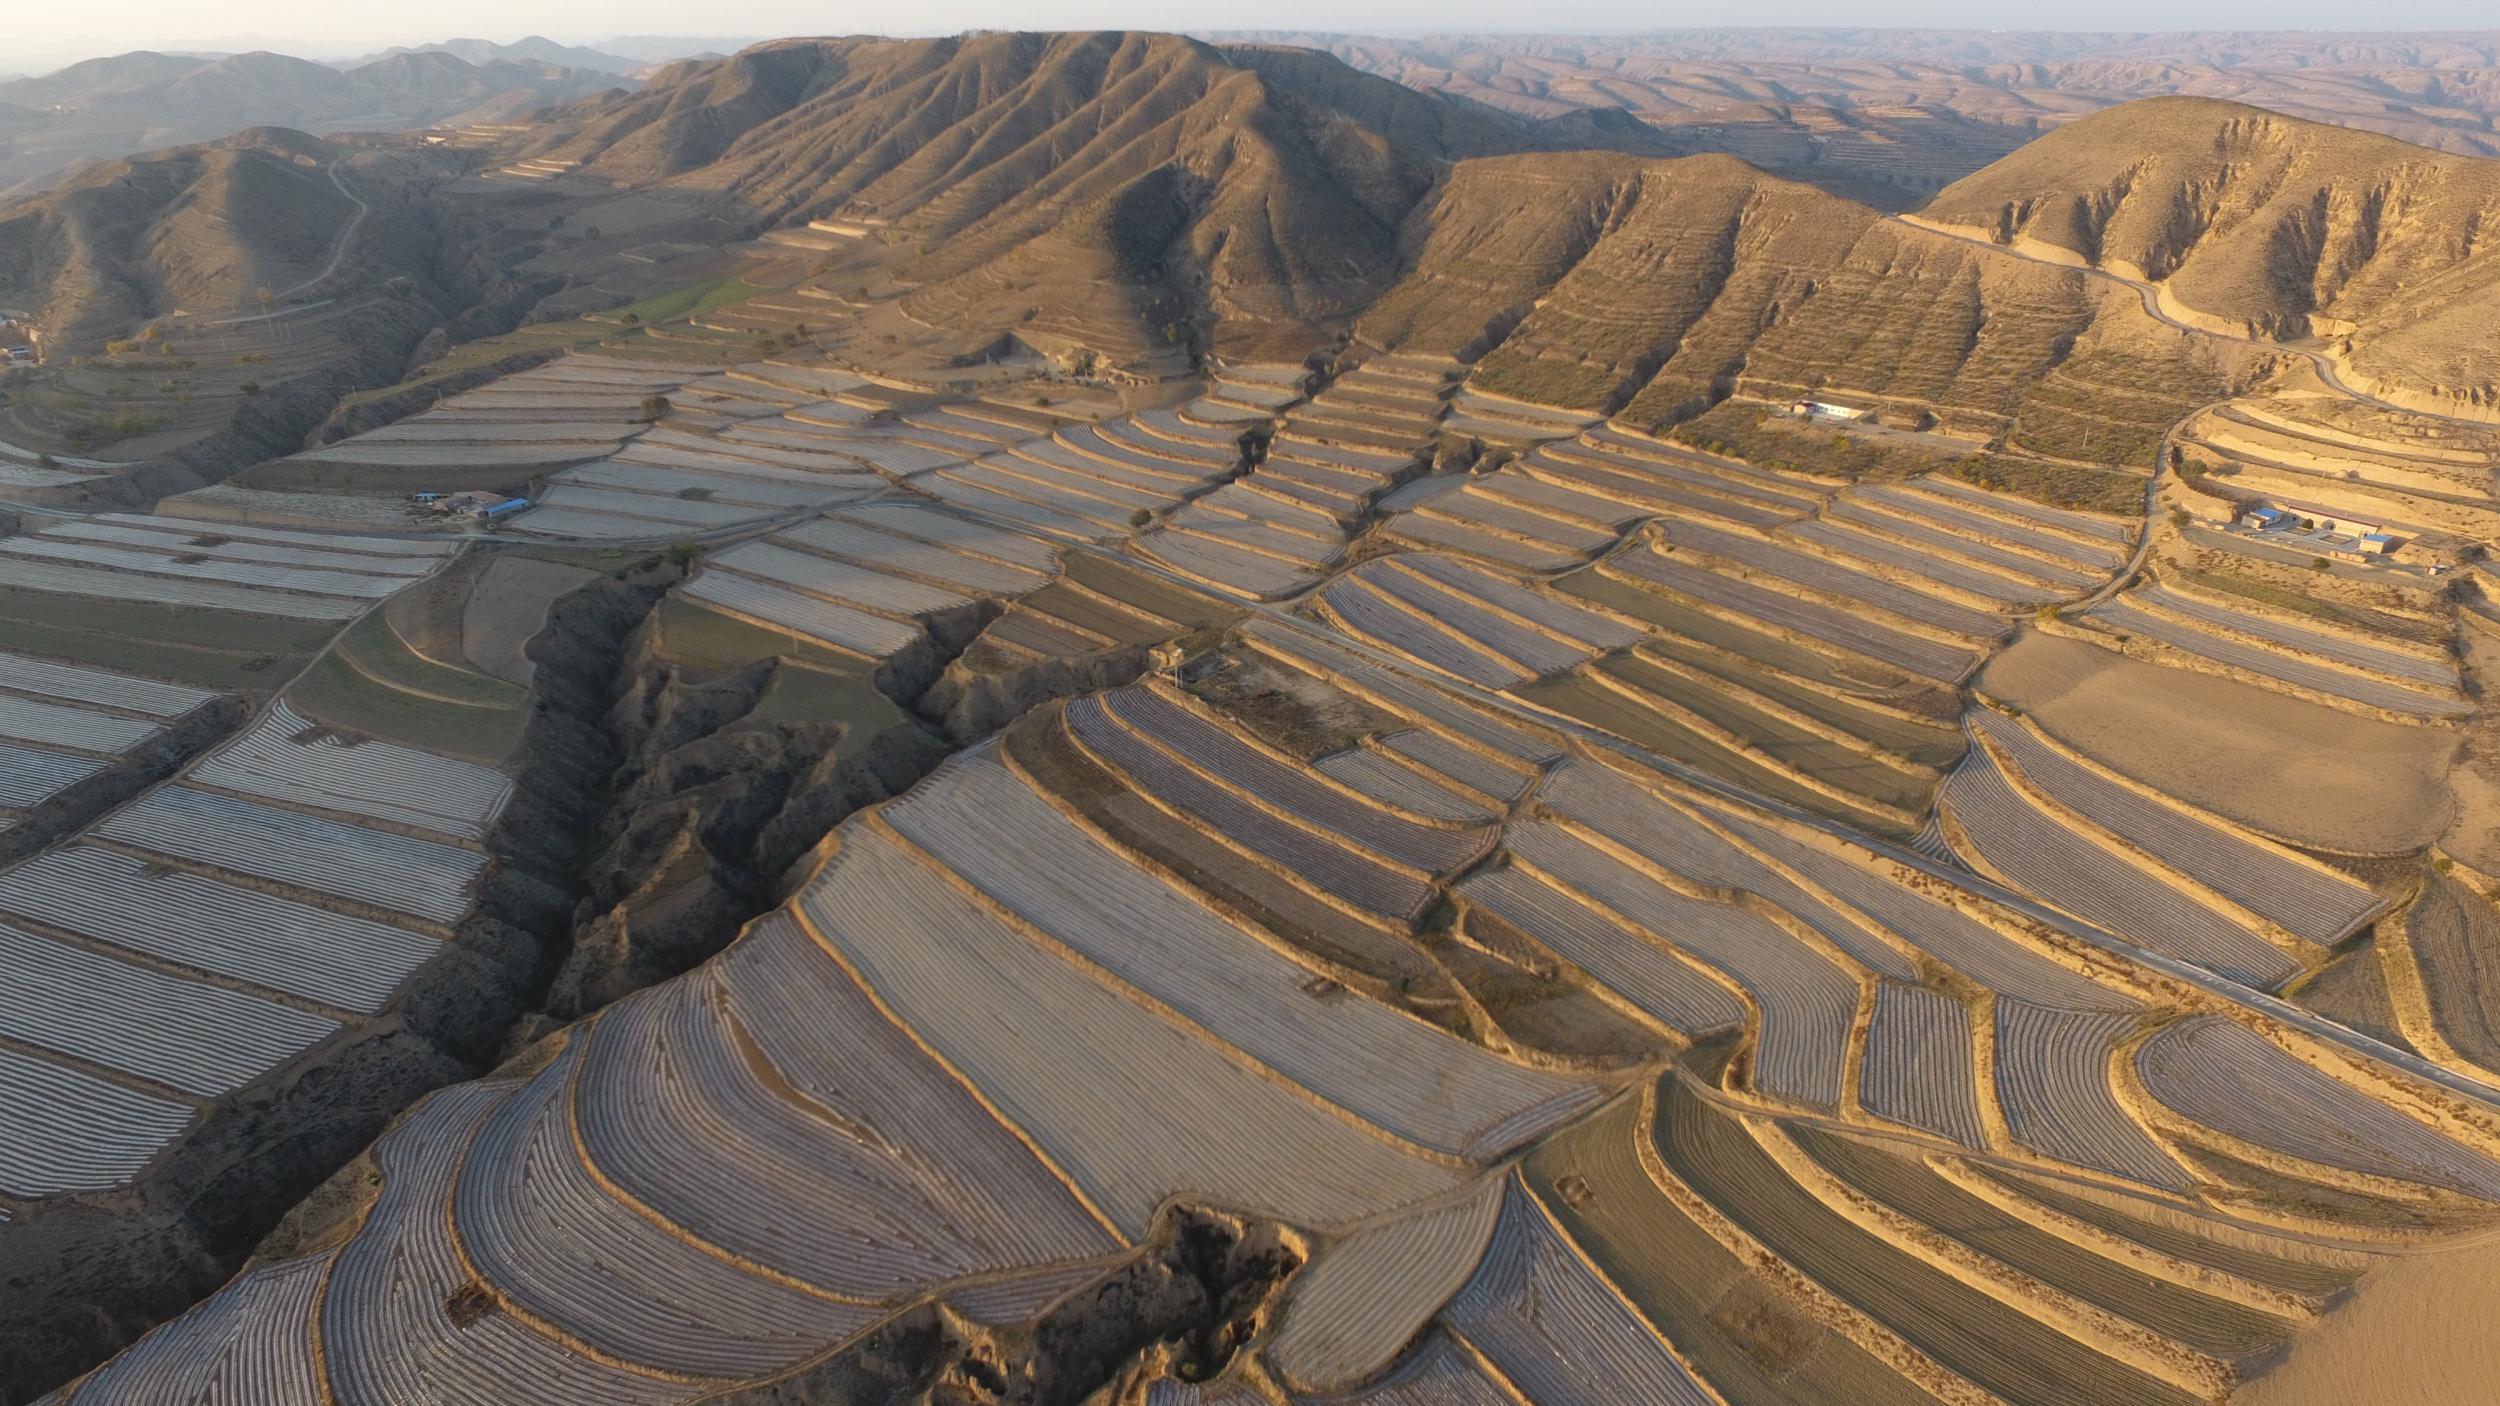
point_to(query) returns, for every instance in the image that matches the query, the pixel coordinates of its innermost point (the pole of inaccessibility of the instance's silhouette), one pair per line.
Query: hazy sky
(36, 35)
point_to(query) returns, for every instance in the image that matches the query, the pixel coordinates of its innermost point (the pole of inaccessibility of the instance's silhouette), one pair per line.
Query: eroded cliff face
(1202, 1287)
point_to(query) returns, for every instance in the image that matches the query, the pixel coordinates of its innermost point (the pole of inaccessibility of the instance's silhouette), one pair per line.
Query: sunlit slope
(2266, 225)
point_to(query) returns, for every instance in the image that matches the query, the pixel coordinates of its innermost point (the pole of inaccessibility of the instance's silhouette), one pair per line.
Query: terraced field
(1394, 893)
(2255, 645)
(213, 930)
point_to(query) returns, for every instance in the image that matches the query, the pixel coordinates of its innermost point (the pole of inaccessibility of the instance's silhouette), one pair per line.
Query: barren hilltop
(1111, 720)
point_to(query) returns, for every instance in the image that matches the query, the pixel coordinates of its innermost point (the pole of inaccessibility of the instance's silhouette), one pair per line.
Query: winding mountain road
(2328, 371)
(338, 255)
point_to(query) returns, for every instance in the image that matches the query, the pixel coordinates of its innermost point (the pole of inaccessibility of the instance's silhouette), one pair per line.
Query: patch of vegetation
(209, 648)
(691, 301)
(2058, 485)
(1548, 380)
(336, 692)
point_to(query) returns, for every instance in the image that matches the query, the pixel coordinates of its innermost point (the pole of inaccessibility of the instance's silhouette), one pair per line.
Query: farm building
(1827, 409)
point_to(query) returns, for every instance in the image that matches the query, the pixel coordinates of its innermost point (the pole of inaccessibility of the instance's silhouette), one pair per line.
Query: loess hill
(2268, 226)
(1257, 192)
(1173, 726)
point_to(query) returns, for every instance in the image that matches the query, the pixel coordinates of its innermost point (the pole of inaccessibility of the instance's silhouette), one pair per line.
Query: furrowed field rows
(1635, 494)
(2040, 854)
(1313, 652)
(1906, 1183)
(2052, 1077)
(2013, 527)
(1751, 1340)
(968, 426)
(1567, 500)
(423, 429)
(1976, 1333)
(837, 581)
(520, 458)
(398, 872)
(201, 1039)
(1544, 634)
(590, 526)
(1371, 613)
(1666, 479)
(66, 579)
(1629, 963)
(1059, 490)
(1371, 462)
(57, 725)
(1024, 1297)
(258, 1331)
(1806, 1003)
(1918, 1064)
(738, 462)
(678, 1086)
(1362, 1301)
(2225, 1076)
(1892, 518)
(1940, 930)
(386, 1329)
(288, 760)
(871, 636)
(664, 513)
(1439, 534)
(673, 485)
(1393, 783)
(62, 1130)
(241, 532)
(557, 1245)
(936, 1142)
(1633, 445)
(1053, 461)
(1483, 515)
(1049, 521)
(1175, 442)
(2393, 663)
(1286, 787)
(68, 683)
(29, 778)
(1922, 560)
(1503, 782)
(1130, 1106)
(1224, 565)
(253, 552)
(966, 572)
(2453, 939)
(309, 580)
(960, 534)
(977, 819)
(1437, 1374)
(1749, 602)
(2305, 897)
(1320, 860)
(2058, 519)
(1223, 444)
(1565, 1337)
(1612, 805)
(2123, 615)
(342, 961)
(1819, 574)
